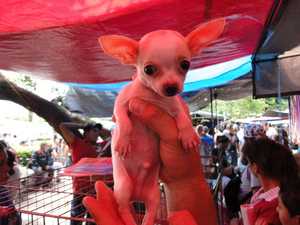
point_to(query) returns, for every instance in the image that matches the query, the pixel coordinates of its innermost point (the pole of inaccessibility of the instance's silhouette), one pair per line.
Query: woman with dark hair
(7, 208)
(272, 163)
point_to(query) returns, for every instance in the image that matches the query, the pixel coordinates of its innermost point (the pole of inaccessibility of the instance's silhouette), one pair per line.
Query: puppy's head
(162, 57)
(163, 61)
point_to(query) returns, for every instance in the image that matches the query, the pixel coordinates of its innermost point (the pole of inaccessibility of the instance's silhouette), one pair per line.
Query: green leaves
(246, 107)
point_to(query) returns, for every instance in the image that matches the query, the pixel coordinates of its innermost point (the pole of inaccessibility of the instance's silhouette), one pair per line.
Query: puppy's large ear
(203, 35)
(123, 48)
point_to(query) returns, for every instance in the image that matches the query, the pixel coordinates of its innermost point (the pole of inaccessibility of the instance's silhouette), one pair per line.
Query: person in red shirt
(88, 147)
(272, 163)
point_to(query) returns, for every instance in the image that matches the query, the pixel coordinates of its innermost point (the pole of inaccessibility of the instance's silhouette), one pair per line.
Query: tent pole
(212, 111)
(290, 120)
(216, 106)
(279, 101)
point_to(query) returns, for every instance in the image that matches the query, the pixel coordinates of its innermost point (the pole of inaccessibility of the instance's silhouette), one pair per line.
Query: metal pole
(279, 101)
(212, 111)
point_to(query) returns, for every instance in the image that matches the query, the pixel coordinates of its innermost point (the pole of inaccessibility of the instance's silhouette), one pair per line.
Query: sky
(43, 89)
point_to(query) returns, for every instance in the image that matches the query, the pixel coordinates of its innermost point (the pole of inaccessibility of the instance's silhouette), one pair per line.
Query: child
(288, 202)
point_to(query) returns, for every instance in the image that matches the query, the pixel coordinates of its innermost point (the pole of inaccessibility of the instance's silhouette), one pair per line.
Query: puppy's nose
(171, 90)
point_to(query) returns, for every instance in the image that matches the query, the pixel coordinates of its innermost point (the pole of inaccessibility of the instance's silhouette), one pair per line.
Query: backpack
(231, 194)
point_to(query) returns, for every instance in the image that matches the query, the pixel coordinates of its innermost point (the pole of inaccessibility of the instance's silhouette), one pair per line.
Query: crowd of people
(264, 162)
(52, 155)
(267, 168)
(41, 166)
(60, 150)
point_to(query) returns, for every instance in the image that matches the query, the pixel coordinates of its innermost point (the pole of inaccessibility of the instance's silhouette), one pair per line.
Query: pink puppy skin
(162, 59)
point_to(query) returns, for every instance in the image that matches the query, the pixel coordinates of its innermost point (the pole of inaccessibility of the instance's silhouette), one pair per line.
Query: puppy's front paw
(189, 140)
(123, 146)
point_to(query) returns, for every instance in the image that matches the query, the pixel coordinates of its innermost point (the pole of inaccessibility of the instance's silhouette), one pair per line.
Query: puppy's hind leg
(123, 194)
(152, 201)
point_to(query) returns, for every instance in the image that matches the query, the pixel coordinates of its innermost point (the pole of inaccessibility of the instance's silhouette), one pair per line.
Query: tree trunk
(51, 112)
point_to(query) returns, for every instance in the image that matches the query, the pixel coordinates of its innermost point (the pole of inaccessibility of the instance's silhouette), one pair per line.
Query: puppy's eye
(185, 65)
(149, 70)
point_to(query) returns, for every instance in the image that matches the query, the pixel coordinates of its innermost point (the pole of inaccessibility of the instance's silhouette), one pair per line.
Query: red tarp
(58, 40)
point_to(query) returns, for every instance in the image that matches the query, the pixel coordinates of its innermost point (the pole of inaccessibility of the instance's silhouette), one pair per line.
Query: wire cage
(41, 203)
(46, 200)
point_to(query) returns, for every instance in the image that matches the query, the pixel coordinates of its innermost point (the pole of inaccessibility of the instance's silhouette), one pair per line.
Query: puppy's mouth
(170, 90)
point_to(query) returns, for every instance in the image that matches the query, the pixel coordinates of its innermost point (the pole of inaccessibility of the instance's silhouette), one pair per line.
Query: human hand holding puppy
(180, 171)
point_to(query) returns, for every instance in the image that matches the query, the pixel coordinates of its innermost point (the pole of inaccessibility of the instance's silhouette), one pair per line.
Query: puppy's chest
(145, 140)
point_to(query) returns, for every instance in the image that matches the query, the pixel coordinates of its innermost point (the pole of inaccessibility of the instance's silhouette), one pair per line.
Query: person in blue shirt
(207, 144)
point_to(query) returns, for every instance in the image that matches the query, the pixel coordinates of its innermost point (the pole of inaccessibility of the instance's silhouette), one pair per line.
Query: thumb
(154, 117)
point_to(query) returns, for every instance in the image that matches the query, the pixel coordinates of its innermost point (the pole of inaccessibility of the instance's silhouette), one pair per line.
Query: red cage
(51, 205)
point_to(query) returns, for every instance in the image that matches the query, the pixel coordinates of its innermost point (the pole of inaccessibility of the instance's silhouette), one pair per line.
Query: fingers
(104, 210)
(94, 208)
(156, 118)
(181, 218)
(100, 214)
(107, 197)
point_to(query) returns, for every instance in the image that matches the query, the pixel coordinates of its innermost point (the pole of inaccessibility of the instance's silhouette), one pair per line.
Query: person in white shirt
(250, 183)
(271, 132)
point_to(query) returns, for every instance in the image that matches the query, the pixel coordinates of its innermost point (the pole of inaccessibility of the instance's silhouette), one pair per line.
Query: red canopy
(58, 40)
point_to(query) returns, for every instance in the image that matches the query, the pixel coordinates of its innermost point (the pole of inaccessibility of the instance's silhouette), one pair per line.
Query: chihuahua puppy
(162, 59)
